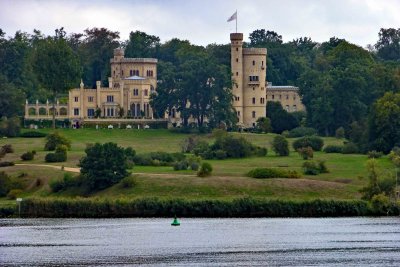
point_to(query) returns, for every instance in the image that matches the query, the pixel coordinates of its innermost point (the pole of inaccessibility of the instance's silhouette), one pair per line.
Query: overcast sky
(205, 21)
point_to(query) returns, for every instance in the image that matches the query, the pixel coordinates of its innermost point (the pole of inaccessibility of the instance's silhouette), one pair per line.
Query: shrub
(8, 148)
(200, 148)
(189, 144)
(55, 139)
(181, 165)
(310, 168)
(302, 131)
(306, 152)
(129, 182)
(339, 133)
(315, 142)
(27, 156)
(220, 154)
(380, 204)
(280, 145)
(333, 149)
(272, 173)
(314, 168)
(56, 157)
(208, 154)
(205, 170)
(374, 154)
(6, 163)
(350, 148)
(261, 151)
(33, 134)
(14, 193)
(5, 182)
(194, 166)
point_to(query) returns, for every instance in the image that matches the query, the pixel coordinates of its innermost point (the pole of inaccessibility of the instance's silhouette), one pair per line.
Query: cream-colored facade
(250, 90)
(249, 75)
(127, 95)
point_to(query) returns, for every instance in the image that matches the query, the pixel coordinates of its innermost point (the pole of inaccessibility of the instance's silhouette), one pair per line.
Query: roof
(134, 78)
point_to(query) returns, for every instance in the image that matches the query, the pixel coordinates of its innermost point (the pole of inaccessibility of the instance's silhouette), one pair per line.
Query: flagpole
(236, 20)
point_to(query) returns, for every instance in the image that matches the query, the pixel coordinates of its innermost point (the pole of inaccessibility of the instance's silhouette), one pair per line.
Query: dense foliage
(280, 146)
(315, 142)
(272, 173)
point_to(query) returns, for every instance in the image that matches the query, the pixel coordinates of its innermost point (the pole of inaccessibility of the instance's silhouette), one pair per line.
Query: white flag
(233, 17)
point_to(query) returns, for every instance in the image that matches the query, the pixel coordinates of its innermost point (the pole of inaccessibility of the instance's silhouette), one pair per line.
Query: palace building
(132, 80)
(250, 89)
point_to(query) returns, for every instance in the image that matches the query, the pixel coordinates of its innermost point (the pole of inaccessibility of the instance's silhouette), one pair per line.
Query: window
(110, 98)
(254, 62)
(173, 113)
(237, 73)
(273, 96)
(253, 100)
(237, 98)
(253, 78)
(238, 113)
(90, 98)
(237, 60)
(262, 88)
(135, 92)
(287, 96)
(131, 73)
(262, 63)
(294, 108)
(76, 99)
(262, 100)
(90, 112)
(146, 92)
(137, 72)
(76, 111)
(122, 72)
(253, 114)
(237, 49)
(280, 96)
(149, 73)
(294, 97)
(110, 112)
(237, 86)
(254, 88)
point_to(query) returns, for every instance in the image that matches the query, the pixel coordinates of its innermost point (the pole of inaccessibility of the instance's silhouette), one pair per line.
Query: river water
(201, 242)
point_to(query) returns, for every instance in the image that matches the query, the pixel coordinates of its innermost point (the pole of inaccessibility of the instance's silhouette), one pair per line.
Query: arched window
(253, 114)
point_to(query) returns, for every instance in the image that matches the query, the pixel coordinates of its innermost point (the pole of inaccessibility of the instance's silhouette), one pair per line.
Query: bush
(27, 156)
(380, 204)
(350, 148)
(339, 133)
(205, 170)
(55, 139)
(33, 134)
(315, 142)
(314, 168)
(66, 182)
(374, 154)
(333, 149)
(181, 165)
(306, 152)
(5, 182)
(14, 193)
(55, 157)
(261, 151)
(302, 131)
(189, 144)
(129, 182)
(220, 154)
(7, 148)
(272, 173)
(194, 166)
(6, 163)
(280, 145)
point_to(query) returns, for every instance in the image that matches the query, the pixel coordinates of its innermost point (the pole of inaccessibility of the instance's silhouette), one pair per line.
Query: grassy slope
(228, 180)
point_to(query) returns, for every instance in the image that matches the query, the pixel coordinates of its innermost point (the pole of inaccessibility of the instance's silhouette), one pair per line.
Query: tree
(388, 45)
(56, 66)
(280, 145)
(262, 36)
(12, 99)
(384, 128)
(104, 165)
(281, 120)
(142, 45)
(264, 125)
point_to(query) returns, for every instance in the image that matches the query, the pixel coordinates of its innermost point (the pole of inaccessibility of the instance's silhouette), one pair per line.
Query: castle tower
(249, 73)
(237, 73)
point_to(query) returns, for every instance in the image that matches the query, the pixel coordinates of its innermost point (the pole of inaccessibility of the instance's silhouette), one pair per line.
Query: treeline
(243, 207)
(339, 82)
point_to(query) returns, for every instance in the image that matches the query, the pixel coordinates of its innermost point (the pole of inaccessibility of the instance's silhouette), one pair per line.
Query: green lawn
(228, 180)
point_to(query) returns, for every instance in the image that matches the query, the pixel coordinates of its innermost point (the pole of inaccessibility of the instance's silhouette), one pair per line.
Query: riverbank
(155, 207)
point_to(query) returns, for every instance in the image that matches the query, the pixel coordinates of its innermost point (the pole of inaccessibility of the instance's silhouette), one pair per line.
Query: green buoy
(175, 222)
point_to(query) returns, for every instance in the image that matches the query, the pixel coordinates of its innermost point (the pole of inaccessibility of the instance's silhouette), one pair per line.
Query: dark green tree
(142, 45)
(280, 145)
(388, 45)
(281, 120)
(56, 66)
(104, 165)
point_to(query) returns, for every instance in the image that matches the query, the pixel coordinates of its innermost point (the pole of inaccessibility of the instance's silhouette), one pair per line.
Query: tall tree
(142, 45)
(388, 45)
(56, 66)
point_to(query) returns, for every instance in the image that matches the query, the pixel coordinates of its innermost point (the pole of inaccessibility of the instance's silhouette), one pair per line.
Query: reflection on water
(200, 242)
